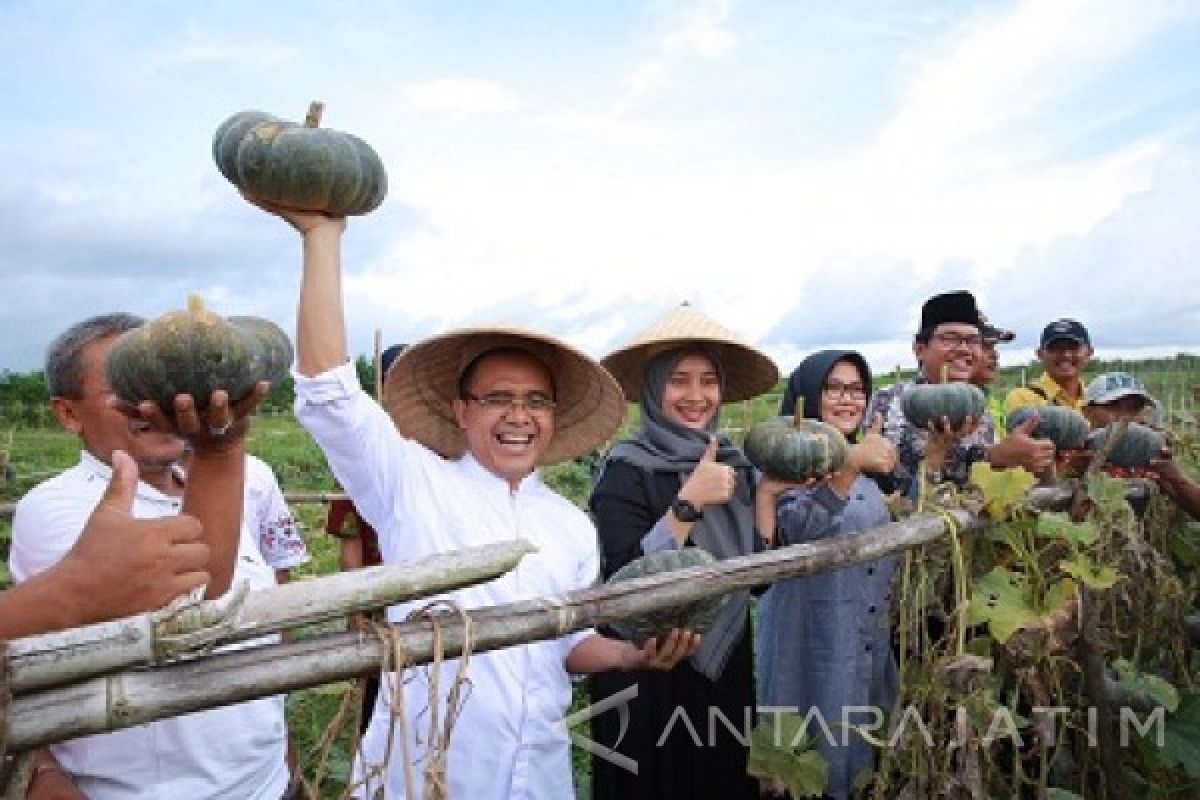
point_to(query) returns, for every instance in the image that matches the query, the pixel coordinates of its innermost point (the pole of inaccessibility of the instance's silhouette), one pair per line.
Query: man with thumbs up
(158, 560)
(77, 521)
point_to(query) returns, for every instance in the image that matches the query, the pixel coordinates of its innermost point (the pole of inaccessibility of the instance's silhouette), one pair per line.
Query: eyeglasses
(952, 341)
(534, 403)
(840, 391)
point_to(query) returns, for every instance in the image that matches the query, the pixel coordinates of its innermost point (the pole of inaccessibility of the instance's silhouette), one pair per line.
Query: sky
(805, 172)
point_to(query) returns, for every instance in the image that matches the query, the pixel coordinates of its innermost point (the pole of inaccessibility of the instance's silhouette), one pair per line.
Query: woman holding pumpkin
(677, 483)
(824, 645)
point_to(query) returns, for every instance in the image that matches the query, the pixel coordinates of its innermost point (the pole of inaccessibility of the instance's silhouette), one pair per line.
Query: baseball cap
(1068, 329)
(1112, 386)
(993, 334)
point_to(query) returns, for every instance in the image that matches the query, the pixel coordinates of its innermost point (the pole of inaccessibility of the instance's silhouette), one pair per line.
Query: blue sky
(805, 172)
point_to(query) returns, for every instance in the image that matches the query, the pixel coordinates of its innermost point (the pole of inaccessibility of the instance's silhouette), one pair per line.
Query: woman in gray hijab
(823, 641)
(678, 483)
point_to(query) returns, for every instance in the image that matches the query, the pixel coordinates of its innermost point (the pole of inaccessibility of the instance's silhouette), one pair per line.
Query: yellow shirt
(1051, 394)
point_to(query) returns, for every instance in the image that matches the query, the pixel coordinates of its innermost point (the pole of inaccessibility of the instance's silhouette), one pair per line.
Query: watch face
(685, 511)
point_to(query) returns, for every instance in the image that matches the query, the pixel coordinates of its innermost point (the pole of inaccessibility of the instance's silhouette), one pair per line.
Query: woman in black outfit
(678, 483)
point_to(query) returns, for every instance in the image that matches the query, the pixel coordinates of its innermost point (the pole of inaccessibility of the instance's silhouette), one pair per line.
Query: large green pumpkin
(697, 616)
(796, 451)
(926, 403)
(299, 167)
(196, 352)
(1066, 427)
(1138, 447)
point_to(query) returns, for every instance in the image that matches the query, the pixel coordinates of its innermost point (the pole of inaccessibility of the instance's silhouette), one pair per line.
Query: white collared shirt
(509, 741)
(233, 752)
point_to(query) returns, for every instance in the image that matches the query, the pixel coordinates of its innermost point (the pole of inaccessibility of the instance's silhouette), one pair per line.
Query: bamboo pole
(132, 698)
(68, 656)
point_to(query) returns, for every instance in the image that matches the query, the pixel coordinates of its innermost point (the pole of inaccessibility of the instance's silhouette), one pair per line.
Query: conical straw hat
(748, 371)
(422, 383)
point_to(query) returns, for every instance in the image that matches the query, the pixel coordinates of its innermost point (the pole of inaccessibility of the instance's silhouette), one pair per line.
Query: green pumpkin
(927, 403)
(195, 352)
(697, 616)
(1138, 447)
(795, 451)
(273, 354)
(299, 167)
(1066, 427)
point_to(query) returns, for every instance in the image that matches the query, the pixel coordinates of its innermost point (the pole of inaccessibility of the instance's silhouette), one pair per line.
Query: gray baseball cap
(1112, 386)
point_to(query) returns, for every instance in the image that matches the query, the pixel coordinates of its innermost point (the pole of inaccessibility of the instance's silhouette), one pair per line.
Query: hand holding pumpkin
(711, 483)
(676, 646)
(305, 222)
(942, 438)
(215, 428)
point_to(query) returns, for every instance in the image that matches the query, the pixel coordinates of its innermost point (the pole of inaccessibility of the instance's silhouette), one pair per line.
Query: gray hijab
(663, 445)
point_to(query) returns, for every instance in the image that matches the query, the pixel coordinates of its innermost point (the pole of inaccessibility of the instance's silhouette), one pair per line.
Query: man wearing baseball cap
(1114, 395)
(1064, 352)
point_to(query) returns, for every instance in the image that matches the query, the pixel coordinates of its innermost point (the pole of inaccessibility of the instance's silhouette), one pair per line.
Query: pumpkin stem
(945, 373)
(195, 303)
(313, 118)
(798, 414)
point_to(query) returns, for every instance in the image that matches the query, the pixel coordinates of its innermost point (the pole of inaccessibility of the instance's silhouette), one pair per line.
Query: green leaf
(1091, 575)
(1108, 494)
(1003, 490)
(1054, 525)
(780, 748)
(1181, 736)
(1147, 684)
(1005, 601)
(1054, 793)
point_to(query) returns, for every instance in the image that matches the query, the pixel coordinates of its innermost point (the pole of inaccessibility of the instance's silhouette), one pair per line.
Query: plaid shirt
(909, 440)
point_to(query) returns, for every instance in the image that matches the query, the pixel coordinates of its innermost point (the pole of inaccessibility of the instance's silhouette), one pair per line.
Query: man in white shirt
(236, 751)
(477, 411)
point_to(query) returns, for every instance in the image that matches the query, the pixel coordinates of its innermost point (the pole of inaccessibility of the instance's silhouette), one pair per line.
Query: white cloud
(461, 96)
(701, 33)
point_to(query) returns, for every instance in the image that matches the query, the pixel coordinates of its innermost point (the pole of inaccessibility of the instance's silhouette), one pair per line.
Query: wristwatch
(684, 511)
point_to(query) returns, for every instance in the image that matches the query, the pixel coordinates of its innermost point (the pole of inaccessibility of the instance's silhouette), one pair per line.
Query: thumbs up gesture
(873, 453)
(711, 483)
(121, 565)
(1021, 449)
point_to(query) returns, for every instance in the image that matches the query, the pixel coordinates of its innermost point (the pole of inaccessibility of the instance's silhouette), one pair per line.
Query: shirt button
(870, 609)
(870, 570)
(868, 648)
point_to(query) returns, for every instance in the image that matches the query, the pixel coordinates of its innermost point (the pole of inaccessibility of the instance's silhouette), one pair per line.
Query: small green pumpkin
(196, 352)
(1138, 447)
(927, 403)
(273, 355)
(299, 167)
(1066, 427)
(697, 616)
(795, 450)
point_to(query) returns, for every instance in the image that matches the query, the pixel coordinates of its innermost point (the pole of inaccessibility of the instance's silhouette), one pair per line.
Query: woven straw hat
(748, 371)
(422, 383)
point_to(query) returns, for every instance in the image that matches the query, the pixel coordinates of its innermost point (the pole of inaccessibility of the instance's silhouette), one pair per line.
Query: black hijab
(808, 381)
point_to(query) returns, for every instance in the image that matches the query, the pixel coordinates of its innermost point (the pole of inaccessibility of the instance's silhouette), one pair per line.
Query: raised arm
(320, 318)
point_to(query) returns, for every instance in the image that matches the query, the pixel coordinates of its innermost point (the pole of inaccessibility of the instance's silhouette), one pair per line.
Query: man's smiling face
(507, 438)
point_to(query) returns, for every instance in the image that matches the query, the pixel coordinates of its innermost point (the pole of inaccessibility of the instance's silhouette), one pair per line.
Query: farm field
(32, 450)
